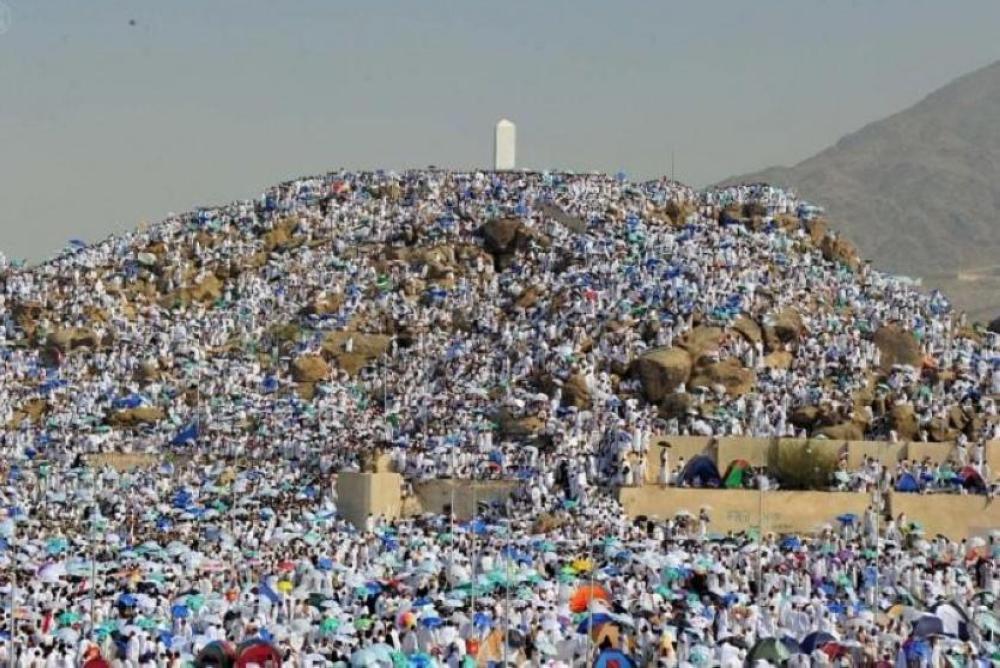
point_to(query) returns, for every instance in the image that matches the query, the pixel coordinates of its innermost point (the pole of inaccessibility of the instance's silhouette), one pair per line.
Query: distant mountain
(919, 191)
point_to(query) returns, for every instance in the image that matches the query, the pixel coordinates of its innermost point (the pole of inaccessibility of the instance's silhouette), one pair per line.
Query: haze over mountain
(919, 191)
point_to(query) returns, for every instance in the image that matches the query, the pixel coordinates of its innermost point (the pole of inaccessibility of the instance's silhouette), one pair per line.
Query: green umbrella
(68, 618)
(145, 623)
(362, 623)
(329, 625)
(988, 622)
(769, 649)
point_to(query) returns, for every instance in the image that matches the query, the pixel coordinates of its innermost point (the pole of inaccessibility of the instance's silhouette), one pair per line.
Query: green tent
(735, 474)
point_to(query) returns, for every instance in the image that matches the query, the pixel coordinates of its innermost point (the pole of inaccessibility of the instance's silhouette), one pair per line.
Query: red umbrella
(581, 598)
(286, 566)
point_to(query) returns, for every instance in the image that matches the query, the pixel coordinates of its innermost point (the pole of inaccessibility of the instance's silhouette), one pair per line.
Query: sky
(115, 112)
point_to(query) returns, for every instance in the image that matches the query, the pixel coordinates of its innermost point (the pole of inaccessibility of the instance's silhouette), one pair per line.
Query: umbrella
(581, 598)
(769, 649)
(69, 617)
(368, 658)
(814, 641)
(614, 658)
(988, 622)
(68, 635)
(928, 625)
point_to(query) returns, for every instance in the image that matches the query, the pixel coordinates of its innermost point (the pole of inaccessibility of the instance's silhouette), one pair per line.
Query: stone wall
(739, 510)
(954, 515)
(756, 451)
(434, 496)
(361, 494)
(123, 461)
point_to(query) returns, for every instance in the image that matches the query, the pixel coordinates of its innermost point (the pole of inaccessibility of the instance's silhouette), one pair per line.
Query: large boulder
(148, 371)
(789, 223)
(661, 371)
(575, 392)
(781, 359)
(206, 290)
(500, 235)
(529, 297)
(788, 326)
(324, 304)
(70, 338)
(816, 228)
(728, 373)
(749, 329)
(309, 369)
(676, 405)
(903, 420)
(679, 211)
(898, 346)
(845, 431)
(938, 431)
(804, 417)
(280, 237)
(959, 418)
(133, 417)
(353, 350)
(840, 250)
(503, 237)
(516, 427)
(701, 340)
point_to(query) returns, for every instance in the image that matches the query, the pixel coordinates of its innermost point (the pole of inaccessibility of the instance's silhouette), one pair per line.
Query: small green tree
(804, 465)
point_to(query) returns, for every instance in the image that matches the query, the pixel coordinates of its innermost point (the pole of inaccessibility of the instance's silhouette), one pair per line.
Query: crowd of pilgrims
(258, 349)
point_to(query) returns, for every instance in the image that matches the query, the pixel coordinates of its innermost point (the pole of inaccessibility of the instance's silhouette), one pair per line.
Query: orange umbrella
(581, 598)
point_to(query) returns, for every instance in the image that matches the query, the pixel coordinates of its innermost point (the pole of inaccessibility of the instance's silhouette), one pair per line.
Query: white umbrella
(51, 573)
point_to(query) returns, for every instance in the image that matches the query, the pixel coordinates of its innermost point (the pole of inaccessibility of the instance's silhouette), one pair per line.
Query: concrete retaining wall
(361, 494)
(756, 451)
(739, 510)
(434, 496)
(954, 515)
(123, 461)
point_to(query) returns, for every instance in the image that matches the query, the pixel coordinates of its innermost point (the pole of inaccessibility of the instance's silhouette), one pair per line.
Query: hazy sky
(104, 124)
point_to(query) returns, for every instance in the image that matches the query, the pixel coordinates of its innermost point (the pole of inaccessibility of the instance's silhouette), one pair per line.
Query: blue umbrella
(790, 543)
(614, 658)
(324, 564)
(180, 612)
(847, 518)
(814, 641)
(431, 622)
(591, 622)
(482, 621)
(127, 600)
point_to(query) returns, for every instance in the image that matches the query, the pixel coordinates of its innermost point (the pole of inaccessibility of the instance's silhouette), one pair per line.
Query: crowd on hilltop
(537, 326)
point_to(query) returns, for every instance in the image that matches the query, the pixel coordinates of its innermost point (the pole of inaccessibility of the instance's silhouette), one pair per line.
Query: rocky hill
(919, 191)
(466, 316)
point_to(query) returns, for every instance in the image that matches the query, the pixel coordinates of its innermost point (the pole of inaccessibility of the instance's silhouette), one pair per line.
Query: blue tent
(189, 434)
(701, 468)
(907, 483)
